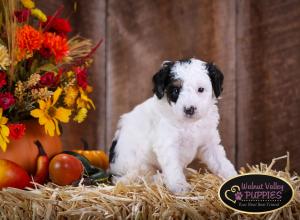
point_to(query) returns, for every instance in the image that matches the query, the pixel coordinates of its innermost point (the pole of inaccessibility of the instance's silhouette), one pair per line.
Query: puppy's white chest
(187, 144)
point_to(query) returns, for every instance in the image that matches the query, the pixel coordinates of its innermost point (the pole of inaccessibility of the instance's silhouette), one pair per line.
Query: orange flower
(28, 40)
(56, 44)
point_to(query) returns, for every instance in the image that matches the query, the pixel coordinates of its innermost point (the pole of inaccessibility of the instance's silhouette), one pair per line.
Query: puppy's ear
(162, 78)
(166, 63)
(216, 78)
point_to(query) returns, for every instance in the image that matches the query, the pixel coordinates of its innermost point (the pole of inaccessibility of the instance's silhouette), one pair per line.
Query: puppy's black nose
(190, 111)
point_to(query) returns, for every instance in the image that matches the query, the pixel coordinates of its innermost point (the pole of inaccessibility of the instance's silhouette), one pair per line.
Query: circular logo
(256, 193)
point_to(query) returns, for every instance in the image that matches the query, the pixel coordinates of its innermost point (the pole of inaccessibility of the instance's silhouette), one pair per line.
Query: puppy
(172, 128)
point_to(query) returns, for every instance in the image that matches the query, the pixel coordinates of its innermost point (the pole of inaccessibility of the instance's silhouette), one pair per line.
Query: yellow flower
(4, 58)
(70, 73)
(49, 115)
(28, 4)
(81, 115)
(4, 131)
(71, 95)
(39, 14)
(84, 101)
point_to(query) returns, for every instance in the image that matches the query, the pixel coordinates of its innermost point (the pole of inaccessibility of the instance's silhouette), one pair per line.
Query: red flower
(81, 77)
(56, 44)
(57, 25)
(48, 79)
(3, 81)
(16, 131)
(6, 100)
(28, 40)
(22, 15)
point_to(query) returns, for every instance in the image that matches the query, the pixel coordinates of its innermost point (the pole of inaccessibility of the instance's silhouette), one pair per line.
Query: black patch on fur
(173, 90)
(112, 153)
(162, 79)
(216, 78)
(186, 60)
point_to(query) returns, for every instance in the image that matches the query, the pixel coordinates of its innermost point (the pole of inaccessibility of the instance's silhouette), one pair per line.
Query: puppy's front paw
(179, 187)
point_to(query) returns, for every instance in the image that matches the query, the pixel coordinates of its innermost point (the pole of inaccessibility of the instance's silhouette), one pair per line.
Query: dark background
(255, 42)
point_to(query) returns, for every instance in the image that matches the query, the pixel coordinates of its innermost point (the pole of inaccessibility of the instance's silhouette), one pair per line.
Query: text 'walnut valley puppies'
(172, 128)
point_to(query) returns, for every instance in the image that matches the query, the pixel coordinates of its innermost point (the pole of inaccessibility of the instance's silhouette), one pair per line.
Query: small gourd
(98, 158)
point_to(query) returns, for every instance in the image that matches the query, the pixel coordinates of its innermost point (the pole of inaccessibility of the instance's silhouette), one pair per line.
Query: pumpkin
(98, 158)
(24, 152)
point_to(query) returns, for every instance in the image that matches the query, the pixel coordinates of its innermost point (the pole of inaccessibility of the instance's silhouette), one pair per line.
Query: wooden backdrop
(256, 44)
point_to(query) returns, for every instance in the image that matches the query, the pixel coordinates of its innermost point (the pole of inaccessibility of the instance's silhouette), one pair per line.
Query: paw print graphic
(238, 196)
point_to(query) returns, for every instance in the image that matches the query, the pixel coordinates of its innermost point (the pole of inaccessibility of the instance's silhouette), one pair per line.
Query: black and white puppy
(172, 128)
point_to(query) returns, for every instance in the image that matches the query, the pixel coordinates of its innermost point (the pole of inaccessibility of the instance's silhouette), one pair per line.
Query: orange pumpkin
(97, 158)
(24, 152)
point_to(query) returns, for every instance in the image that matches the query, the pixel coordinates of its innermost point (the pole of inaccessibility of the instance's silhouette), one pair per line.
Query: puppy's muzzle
(190, 111)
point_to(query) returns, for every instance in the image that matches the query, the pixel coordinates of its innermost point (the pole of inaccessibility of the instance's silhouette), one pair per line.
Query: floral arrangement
(43, 72)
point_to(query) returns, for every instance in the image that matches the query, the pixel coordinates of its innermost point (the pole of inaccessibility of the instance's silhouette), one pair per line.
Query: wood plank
(268, 52)
(142, 34)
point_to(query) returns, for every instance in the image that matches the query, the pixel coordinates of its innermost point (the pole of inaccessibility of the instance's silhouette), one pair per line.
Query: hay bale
(137, 201)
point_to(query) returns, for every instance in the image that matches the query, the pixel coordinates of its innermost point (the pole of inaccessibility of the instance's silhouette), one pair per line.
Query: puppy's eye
(175, 91)
(201, 89)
